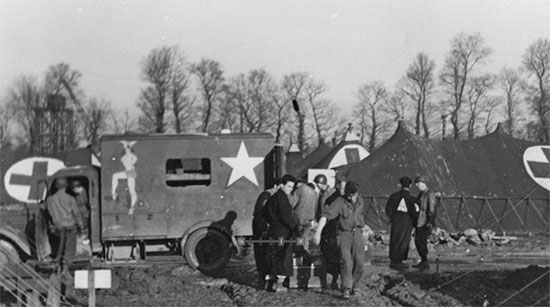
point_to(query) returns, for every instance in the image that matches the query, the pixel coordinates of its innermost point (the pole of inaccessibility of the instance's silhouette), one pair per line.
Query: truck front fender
(17, 237)
(208, 224)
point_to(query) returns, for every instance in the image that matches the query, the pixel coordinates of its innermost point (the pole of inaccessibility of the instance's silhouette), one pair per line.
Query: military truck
(155, 196)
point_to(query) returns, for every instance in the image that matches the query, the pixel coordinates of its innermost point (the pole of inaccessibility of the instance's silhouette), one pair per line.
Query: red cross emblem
(22, 179)
(537, 164)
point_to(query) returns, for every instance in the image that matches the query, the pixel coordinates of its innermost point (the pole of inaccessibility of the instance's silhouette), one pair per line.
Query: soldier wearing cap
(350, 214)
(426, 220)
(82, 203)
(401, 211)
(65, 217)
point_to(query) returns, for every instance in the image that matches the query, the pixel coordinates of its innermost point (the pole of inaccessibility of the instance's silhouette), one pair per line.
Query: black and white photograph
(274, 153)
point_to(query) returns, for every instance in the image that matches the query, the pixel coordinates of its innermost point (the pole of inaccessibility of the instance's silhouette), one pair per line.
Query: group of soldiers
(333, 218)
(407, 212)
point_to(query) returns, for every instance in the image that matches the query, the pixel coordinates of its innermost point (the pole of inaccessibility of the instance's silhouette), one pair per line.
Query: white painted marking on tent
(536, 154)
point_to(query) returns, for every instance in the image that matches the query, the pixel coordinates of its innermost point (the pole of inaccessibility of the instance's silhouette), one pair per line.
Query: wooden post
(20, 295)
(91, 288)
(54, 287)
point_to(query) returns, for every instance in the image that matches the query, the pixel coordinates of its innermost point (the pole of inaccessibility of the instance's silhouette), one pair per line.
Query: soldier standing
(304, 200)
(82, 203)
(328, 244)
(350, 213)
(65, 217)
(401, 211)
(425, 222)
(282, 224)
(260, 231)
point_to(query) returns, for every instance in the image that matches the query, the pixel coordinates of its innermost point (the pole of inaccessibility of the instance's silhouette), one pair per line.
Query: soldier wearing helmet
(426, 220)
(328, 244)
(65, 217)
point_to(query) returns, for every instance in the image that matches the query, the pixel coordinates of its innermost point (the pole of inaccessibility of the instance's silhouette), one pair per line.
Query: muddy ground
(516, 274)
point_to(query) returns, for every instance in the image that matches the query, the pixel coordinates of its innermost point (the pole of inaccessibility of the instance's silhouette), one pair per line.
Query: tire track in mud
(388, 289)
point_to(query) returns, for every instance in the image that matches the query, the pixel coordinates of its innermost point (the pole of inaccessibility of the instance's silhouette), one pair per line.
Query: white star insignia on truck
(243, 166)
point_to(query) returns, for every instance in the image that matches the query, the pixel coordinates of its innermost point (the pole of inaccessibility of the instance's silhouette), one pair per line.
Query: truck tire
(208, 250)
(8, 253)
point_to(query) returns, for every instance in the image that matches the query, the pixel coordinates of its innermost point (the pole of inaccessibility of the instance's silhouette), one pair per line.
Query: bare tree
(25, 98)
(537, 62)
(157, 71)
(476, 95)
(326, 118)
(284, 119)
(122, 122)
(467, 52)
(320, 108)
(62, 80)
(259, 107)
(419, 86)
(211, 81)
(237, 95)
(395, 104)
(6, 117)
(490, 105)
(292, 88)
(182, 103)
(227, 112)
(512, 84)
(95, 118)
(371, 97)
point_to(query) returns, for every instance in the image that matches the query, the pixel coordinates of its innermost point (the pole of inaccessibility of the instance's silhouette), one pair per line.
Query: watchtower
(53, 127)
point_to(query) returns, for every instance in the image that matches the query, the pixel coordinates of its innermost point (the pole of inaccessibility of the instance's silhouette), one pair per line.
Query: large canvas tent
(348, 151)
(299, 167)
(482, 182)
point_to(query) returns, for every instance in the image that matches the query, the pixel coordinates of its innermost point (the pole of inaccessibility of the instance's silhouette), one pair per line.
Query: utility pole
(301, 120)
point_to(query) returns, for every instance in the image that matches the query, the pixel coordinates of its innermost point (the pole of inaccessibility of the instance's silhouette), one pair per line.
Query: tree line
(459, 100)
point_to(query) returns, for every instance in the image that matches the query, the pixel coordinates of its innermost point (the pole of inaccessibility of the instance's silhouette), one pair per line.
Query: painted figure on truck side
(129, 160)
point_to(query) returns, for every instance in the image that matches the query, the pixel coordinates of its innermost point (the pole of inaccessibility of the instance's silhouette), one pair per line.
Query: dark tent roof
(301, 167)
(325, 162)
(293, 157)
(489, 166)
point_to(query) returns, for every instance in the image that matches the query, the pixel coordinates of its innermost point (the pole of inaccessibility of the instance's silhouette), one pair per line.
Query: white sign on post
(102, 279)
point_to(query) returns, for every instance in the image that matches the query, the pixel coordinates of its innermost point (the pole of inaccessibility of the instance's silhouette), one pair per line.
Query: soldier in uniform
(425, 222)
(304, 201)
(283, 222)
(328, 245)
(82, 203)
(260, 231)
(350, 212)
(401, 211)
(65, 217)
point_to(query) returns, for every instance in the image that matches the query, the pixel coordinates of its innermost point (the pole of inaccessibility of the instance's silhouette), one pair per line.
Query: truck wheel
(208, 250)
(8, 253)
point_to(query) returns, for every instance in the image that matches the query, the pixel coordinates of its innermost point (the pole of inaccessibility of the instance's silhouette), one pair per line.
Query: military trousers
(67, 244)
(352, 253)
(421, 241)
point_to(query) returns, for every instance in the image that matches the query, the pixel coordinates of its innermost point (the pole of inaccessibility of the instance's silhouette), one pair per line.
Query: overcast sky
(343, 43)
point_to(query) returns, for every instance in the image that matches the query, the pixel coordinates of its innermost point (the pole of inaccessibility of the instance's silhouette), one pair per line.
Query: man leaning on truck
(65, 217)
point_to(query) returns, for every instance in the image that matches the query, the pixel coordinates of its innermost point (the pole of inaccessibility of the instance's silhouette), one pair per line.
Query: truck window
(188, 172)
